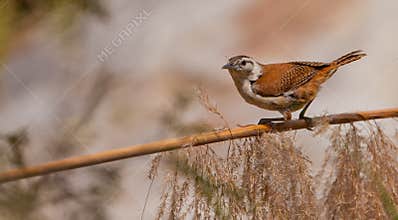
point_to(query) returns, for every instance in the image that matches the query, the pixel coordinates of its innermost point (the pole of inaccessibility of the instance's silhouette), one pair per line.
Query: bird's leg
(308, 120)
(287, 115)
(302, 113)
(267, 121)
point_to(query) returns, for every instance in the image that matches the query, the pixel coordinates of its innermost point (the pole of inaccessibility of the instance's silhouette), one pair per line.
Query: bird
(283, 87)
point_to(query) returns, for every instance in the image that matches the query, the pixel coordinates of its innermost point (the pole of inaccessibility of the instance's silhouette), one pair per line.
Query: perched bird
(283, 87)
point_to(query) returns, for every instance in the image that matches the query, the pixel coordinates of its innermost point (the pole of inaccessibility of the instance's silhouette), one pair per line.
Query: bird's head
(243, 67)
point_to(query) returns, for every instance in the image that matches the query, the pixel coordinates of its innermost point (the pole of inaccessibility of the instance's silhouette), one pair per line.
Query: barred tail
(350, 57)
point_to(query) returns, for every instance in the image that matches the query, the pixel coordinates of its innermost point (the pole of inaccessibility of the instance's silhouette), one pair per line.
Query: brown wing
(281, 78)
(313, 64)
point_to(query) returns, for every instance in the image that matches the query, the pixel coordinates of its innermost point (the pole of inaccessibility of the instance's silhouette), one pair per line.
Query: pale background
(180, 46)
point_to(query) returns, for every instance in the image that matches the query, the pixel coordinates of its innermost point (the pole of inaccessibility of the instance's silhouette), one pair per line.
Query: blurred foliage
(26, 199)
(19, 16)
(83, 194)
(172, 119)
(33, 198)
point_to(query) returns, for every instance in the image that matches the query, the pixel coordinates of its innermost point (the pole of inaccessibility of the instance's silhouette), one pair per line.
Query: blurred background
(83, 76)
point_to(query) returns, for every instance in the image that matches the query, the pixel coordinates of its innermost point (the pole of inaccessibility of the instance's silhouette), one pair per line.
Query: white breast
(277, 103)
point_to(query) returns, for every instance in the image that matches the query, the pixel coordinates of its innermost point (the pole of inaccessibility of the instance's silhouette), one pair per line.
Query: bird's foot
(269, 121)
(309, 122)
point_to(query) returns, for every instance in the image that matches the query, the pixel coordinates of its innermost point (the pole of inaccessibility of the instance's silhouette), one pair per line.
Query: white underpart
(256, 72)
(271, 103)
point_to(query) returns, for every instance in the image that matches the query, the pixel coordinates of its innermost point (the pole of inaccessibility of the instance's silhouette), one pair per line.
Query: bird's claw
(267, 121)
(309, 122)
(264, 121)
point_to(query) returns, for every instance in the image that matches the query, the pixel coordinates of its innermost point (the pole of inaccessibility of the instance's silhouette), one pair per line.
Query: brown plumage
(285, 77)
(285, 87)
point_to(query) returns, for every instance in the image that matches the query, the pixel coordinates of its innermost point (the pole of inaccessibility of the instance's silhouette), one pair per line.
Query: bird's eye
(243, 63)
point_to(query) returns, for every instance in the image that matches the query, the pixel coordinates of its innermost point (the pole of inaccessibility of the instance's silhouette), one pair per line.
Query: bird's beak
(227, 66)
